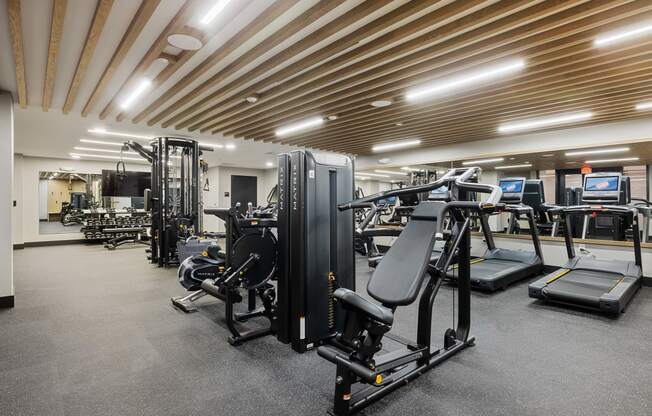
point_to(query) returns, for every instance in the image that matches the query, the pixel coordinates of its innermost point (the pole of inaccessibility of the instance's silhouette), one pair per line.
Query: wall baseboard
(647, 281)
(19, 246)
(53, 243)
(6, 302)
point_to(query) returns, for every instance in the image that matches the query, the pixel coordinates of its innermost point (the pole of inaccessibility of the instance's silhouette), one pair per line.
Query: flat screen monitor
(130, 184)
(387, 201)
(602, 183)
(511, 186)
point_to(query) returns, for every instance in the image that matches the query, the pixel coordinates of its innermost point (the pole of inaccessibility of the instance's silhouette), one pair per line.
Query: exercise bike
(247, 264)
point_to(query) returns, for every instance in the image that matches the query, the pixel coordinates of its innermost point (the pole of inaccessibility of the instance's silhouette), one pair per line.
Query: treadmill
(500, 267)
(606, 285)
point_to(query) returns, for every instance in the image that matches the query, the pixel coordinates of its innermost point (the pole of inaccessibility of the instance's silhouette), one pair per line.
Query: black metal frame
(383, 374)
(167, 224)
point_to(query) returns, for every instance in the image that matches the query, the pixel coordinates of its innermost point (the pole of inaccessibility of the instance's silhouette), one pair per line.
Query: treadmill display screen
(439, 191)
(601, 183)
(511, 187)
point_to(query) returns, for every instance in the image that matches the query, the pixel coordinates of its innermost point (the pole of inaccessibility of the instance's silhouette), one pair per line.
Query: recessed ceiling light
(301, 125)
(409, 169)
(142, 86)
(455, 83)
(523, 165)
(622, 159)
(381, 103)
(396, 145)
(269, 164)
(544, 122)
(548, 155)
(184, 41)
(104, 132)
(362, 178)
(214, 11)
(624, 34)
(377, 175)
(644, 106)
(399, 124)
(598, 151)
(389, 172)
(481, 161)
(252, 99)
(75, 156)
(512, 158)
(332, 117)
(230, 146)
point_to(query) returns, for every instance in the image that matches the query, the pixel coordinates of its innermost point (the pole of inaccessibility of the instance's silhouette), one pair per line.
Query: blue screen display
(391, 201)
(601, 183)
(440, 190)
(511, 187)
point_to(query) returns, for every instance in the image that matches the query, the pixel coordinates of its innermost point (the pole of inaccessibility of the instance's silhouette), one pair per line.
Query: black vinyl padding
(381, 232)
(398, 277)
(352, 301)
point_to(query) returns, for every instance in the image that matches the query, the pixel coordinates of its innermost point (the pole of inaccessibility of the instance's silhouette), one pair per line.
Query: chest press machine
(363, 375)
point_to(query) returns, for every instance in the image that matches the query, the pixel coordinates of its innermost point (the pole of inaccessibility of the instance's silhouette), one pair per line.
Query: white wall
(28, 185)
(8, 195)
(17, 216)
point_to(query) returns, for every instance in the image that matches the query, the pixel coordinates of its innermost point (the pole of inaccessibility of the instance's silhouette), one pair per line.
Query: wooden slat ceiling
(336, 71)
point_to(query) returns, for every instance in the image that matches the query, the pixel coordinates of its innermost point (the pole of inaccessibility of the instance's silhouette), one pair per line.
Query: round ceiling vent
(184, 42)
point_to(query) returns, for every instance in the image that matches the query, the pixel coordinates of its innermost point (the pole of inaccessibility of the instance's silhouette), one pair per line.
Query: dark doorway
(244, 189)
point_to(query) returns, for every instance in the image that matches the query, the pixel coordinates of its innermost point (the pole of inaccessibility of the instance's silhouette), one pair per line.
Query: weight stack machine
(315, 245)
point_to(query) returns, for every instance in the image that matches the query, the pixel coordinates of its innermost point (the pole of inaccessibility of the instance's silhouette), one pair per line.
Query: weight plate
(264, 245)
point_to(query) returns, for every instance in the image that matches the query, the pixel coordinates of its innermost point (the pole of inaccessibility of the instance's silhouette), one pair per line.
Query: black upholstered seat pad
(352, 301)
(583, 286)
(399, 275)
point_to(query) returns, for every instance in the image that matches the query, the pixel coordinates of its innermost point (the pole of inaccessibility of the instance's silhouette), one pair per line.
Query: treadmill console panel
(512, 190)
(601, 187)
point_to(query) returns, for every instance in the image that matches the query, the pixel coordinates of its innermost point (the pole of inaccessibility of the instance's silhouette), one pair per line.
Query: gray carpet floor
(93, 333)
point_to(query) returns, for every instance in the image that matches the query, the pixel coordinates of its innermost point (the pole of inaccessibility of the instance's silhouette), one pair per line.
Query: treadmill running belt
(582, 286)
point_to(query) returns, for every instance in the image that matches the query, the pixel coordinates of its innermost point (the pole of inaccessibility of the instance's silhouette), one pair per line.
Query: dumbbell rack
(95, 225)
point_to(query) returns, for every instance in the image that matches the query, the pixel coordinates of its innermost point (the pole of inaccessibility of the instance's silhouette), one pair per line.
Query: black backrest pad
(398, 278)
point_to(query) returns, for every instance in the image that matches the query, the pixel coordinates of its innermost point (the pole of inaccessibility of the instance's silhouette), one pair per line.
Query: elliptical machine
(248, 263)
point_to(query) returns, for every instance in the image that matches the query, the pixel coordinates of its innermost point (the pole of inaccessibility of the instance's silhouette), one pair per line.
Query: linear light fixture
(230, 146)
(644, 106)
(104, 132)
(92, 149)
(598, 151)
(376, 175)
(396, 145)
(142, 86)
(409, 169)
(454, 83)
(390, 172)
(269, 164)
(80, 155)
(120, 144)
(301, 125)
(536, 123)
(482, 161)
(620, 159)
(362, 178)
(214, 11)
(213, 145)
(621, 35)
(522, 165)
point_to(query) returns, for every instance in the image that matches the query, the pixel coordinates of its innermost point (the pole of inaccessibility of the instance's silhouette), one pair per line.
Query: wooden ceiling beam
(186, 12)
(16, 32)
(97, 25)
(398, 57)
(278, 8)
(527, 35)
(515, 107)
(307, 18)
(556, 84)
(612, 115)
(137, 24)
(474, 100)
(56, 30)
(274, 85)
(471, 122)
(431, 20)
